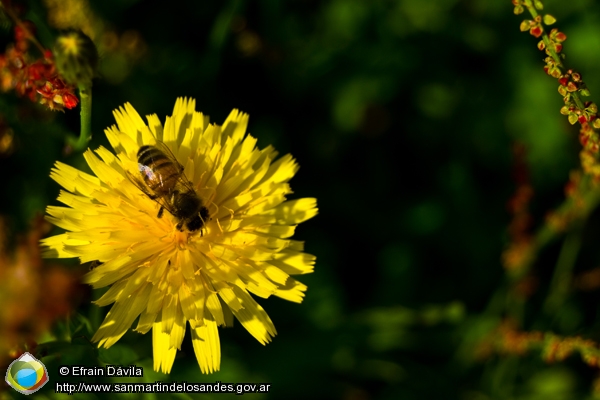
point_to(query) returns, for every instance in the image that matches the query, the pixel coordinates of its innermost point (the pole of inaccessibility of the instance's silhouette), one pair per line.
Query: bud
(525, 25)
(583, 139)
(76, 57)
(563, 80)
(560, 37)
(572, 119)
(562, 90)
(541, 45)
(536, 31)
(558, 47)
(555, 72)
(572, 87)
(549, 19)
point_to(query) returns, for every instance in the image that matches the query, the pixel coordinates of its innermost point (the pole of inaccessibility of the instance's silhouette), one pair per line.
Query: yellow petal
(120, 317)
(294, 211)
(146, 322)
(294, 262)
(178, 330)
(130, 123)
(112, 294)
(207, 346)
(164, 353)
(253, 317)
(213, 305)
(155, 126)
(292, 291)
(169, 312)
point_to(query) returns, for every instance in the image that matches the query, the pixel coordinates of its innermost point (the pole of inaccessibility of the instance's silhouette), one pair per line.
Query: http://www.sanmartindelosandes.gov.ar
(26, 374)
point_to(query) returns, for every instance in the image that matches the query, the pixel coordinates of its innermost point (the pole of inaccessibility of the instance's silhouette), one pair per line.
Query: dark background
(402, 115)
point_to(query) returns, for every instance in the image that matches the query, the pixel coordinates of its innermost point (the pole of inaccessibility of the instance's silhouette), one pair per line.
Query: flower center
(180, 239)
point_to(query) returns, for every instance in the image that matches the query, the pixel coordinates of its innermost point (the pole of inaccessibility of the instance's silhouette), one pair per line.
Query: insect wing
(185, 182)
(182, 179)
(141, 185)
(165, 204)
(167, 151)
(161, 200)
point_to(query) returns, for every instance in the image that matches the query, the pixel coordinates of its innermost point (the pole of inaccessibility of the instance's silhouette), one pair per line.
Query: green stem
(530, 8)
(515, 308)
(68, 328)
(561, 280)
(85, 94)
(572, 212)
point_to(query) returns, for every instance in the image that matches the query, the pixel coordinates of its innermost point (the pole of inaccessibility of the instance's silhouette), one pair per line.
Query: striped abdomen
(159, 172)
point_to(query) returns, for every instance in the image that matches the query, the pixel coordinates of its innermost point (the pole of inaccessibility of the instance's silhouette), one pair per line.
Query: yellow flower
(167, 276)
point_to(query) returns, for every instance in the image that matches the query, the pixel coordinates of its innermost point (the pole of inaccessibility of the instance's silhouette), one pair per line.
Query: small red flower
(70, 100)
(583, 139)
(37, 78)
(24, 30)
(536, 31)
(56, 95)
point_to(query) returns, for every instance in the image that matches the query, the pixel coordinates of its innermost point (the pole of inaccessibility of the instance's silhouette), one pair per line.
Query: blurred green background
(402, 115)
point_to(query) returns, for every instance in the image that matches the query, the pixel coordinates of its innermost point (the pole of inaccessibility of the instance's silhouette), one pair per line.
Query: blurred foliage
(402, 115)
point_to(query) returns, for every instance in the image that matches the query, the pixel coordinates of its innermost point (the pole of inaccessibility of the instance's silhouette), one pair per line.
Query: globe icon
(26, 377)
(26, 374)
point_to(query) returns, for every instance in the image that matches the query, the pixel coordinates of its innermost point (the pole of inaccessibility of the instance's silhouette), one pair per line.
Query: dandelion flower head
(167, 276)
